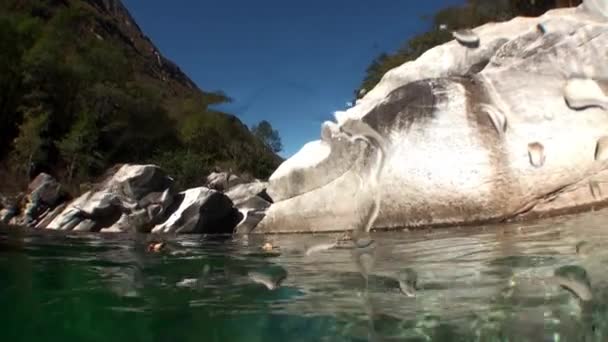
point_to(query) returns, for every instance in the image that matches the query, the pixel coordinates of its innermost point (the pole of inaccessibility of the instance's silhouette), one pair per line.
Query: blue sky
(292, 63)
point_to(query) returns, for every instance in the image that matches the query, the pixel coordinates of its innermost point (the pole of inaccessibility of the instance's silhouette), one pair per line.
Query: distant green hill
(82, 88)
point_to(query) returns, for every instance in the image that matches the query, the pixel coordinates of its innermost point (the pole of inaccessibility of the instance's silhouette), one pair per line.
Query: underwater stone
(574, 279)
(536, 153)
(272, 280)
(408, 282)
(320, 247)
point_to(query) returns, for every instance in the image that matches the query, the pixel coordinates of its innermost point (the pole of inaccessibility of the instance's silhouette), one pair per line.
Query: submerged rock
(470, 135)
(575, 280)
(272, 278)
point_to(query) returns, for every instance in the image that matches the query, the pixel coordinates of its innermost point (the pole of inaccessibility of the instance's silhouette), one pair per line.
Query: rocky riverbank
(507, 121)
(139, 198)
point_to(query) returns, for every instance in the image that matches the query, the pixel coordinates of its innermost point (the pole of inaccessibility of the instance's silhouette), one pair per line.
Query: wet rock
(47, 190)
(199, 210)
(250, 200)
(575, 280)
(241, 194)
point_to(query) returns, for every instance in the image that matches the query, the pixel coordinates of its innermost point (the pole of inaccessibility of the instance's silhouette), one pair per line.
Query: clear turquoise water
(475, 284)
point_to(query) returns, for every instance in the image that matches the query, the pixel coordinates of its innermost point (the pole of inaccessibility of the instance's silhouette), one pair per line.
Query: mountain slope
(82, 87)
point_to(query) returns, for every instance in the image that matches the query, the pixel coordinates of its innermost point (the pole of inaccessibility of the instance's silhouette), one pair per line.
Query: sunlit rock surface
(470, 133)
(125, 195)
(200, 210)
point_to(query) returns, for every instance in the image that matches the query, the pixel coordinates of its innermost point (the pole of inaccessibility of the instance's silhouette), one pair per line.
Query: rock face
(127, 194)
(222, 181)
(200, 210)
(466, 133)
(252, 202)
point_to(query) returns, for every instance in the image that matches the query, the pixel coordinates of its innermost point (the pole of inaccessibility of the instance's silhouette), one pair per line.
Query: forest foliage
(74, 103)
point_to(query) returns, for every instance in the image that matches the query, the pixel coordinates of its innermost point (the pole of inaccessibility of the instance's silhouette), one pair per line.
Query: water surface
(474, 284)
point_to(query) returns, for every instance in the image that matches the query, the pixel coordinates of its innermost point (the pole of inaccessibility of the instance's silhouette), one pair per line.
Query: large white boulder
(463, 135)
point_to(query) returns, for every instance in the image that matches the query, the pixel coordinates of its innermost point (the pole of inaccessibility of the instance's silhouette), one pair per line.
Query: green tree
(17, 34)
(77, 148)
(29, 146)
(269, 136)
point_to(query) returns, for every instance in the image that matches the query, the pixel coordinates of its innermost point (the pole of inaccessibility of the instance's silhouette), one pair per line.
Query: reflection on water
(535, 282)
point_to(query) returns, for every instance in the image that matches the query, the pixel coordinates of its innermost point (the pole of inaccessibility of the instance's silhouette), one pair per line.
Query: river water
(488, 283)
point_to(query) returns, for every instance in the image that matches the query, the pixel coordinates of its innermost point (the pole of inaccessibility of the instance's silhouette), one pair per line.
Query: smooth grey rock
(131, 190)
(450, 158)
(44, 193)
(135, 221)
(46, 189)
(249, 219)
(200, 210)
(247, 199)
(242, 193)
(48, 218)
